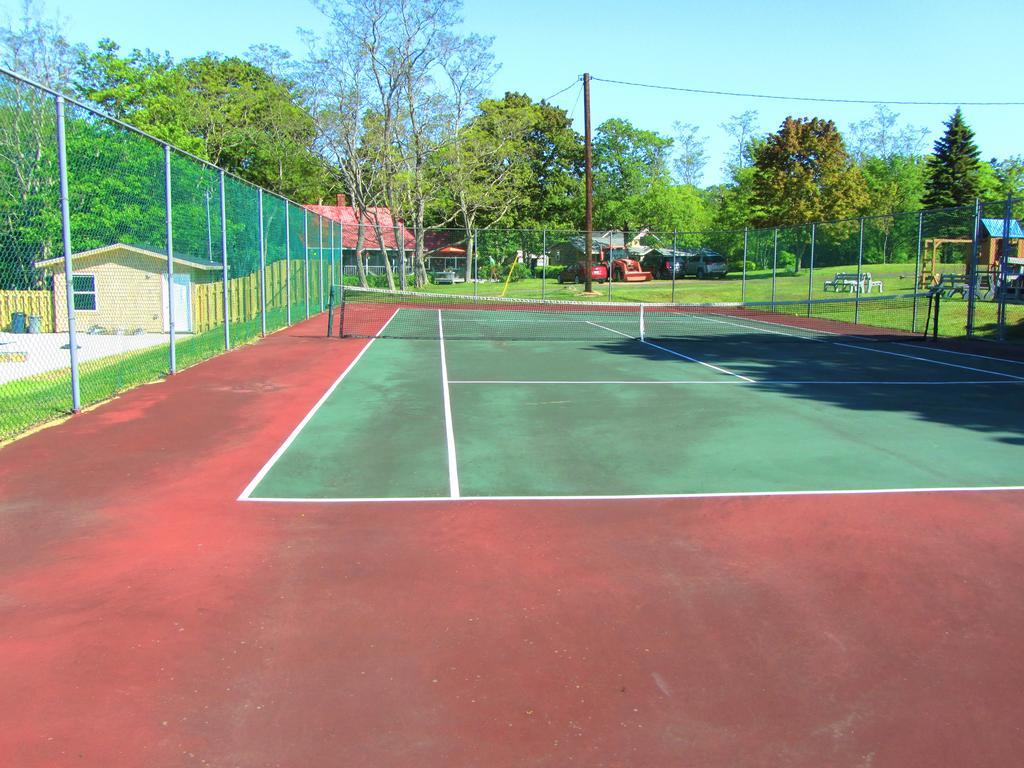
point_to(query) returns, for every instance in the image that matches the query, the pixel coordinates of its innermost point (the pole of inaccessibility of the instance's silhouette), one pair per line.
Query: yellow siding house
(123, 289)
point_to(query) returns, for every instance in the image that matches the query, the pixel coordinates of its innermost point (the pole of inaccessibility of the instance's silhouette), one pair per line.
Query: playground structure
(991, 280)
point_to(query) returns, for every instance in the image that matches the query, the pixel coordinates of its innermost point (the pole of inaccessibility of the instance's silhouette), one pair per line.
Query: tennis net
(372, 312)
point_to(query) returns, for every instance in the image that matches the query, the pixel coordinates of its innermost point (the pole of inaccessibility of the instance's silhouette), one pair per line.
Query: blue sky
(896, 50)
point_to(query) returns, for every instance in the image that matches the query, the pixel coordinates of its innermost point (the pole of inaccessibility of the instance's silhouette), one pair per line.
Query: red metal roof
(349, 217)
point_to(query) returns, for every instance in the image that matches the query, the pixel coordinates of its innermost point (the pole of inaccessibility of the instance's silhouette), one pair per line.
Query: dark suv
(662, 263)
(705, 263)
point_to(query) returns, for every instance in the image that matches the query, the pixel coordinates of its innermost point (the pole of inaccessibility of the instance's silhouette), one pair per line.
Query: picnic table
(852, 282)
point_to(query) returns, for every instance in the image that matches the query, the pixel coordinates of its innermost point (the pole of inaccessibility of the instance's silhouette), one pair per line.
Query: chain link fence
(161, 260)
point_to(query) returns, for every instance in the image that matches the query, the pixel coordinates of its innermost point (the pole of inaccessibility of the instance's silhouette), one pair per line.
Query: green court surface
(614, 416)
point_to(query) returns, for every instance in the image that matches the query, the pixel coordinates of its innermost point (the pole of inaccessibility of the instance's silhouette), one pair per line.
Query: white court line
(856, 346)
(721, 495)
(963, 354)
(295, 432)
(449, 432)
(673, 352)
(761, 382)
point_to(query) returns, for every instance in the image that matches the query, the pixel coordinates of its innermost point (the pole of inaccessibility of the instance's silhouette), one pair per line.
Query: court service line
(312, 411)
(965, 354)
(860, 346)
(449, 432)
(641, 496)
(673, 352)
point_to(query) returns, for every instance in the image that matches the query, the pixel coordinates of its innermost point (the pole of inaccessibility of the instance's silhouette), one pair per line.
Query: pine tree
(953, 169)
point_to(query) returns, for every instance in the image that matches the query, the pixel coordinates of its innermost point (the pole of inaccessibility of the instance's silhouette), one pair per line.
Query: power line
(570, 85)
(813, 98)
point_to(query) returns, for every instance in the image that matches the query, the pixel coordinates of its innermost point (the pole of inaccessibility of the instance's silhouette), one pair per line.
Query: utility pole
(589, 225)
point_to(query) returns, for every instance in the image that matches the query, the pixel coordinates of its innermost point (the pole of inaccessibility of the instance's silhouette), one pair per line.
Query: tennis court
(457, 399)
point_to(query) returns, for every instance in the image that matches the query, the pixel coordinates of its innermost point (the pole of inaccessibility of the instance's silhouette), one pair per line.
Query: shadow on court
(868, 377)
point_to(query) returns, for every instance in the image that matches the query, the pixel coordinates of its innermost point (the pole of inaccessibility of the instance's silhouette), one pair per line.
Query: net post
(287, 264)
(810, 268)
(743, 281)
(935, 320)
(263, 268)
(972, 267)
(65, 231)
(860, 265)
(917, 270)
(172, 362)
(775, 262)
(330, 312)
(643, 326)
(224, 261)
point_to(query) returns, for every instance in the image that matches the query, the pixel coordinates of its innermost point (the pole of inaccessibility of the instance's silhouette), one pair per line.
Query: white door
(182, 304)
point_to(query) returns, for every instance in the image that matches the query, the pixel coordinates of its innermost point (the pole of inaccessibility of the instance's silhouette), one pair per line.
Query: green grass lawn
(46, 396)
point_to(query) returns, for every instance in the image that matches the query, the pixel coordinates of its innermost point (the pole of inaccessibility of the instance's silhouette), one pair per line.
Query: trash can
(18, 322)
(35, 324)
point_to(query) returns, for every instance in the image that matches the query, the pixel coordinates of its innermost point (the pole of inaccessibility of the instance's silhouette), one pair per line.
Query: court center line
(449, 432)
(312, 411)
(673, 352)
(859, 346)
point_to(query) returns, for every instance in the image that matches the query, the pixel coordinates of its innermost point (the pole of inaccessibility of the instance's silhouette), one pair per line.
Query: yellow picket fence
(31, 303)
(244, 294)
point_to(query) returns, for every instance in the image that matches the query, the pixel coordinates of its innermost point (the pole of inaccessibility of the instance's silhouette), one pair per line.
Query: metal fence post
(287, 264)
(263, 268)
(743, 279)
(775, 263)
(403, 278)
(917, 271)
(305, 251)
(224, 261)
(810, 269)
(334, 275)
(675, 237)
(65, 230)
(544, 264)
(171, 361)
(1004, 255)
(476, 265)
(972, 267)
(341, 257)
(860, 265)
(320, 255)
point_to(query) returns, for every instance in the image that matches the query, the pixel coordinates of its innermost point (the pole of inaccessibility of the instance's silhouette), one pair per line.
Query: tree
(691, 156)
(953, 168)
(883, 137)
(741, 130)
(227, 111)
(803, 174)
(1009, 174)
(630, 169)
(38, 48)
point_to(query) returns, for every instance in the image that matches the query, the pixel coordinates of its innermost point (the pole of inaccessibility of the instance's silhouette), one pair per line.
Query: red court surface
(147, 618)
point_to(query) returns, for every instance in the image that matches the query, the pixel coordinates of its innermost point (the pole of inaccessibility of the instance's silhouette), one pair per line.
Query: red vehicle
(624, 268)
(577, 273)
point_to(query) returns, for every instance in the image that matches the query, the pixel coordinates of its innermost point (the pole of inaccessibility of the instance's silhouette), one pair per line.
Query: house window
(84, 291)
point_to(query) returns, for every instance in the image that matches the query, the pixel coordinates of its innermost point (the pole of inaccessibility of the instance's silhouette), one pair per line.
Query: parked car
(577, 273)
(662, 264)
(705, 263)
